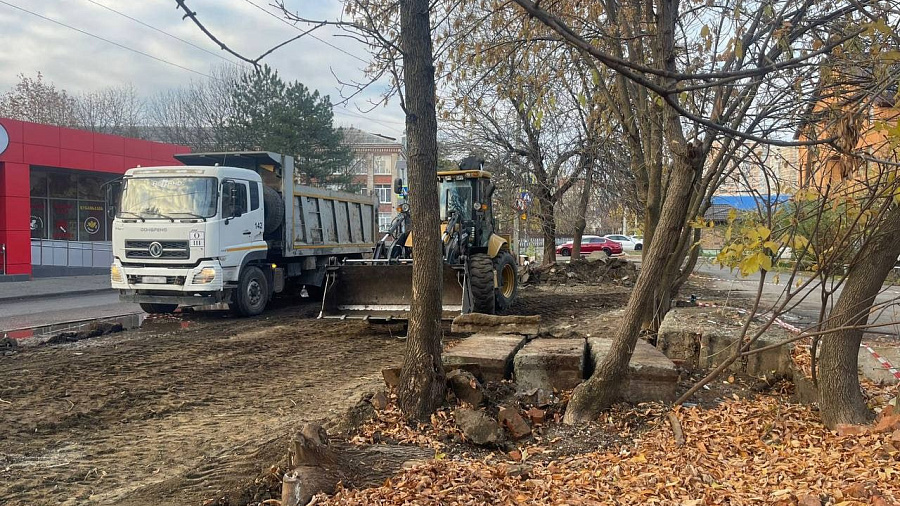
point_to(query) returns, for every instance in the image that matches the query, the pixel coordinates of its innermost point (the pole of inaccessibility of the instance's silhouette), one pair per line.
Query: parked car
(630, 243)
(589, 244)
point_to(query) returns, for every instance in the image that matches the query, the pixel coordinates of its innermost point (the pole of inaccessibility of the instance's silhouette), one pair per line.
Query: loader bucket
(383, 292)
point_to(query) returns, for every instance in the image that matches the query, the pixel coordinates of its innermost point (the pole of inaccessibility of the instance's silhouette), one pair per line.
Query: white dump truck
(230, 228)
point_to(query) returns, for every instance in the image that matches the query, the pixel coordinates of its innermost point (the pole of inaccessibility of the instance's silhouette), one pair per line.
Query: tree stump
(319, 465)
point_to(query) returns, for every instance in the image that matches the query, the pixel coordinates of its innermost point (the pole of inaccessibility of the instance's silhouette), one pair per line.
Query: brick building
(380, 159)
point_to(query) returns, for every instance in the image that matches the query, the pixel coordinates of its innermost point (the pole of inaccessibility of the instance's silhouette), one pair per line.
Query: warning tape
(883, 361)
(797, 330)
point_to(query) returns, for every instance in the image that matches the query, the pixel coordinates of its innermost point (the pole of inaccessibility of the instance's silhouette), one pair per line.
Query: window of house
(381, 164)
(384, 221)
(384, 193)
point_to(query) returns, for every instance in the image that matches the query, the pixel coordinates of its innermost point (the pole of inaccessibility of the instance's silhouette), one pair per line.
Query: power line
(360, 116)
(122, 46)
(164, 32)
(335, 109)
(329, 44)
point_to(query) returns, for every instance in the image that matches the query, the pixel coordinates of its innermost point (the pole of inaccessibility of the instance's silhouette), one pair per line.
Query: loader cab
(467, 195)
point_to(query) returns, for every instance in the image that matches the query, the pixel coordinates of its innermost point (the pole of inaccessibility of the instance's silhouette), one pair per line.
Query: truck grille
(169, 250)
(170, 280)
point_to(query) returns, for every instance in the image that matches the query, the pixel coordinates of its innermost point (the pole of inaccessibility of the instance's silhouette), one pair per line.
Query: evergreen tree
(288, 118)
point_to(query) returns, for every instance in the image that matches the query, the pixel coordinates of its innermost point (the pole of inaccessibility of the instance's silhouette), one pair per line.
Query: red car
(591, 243)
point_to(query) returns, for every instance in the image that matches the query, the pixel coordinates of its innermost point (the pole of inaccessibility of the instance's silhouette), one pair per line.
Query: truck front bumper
(167, 285)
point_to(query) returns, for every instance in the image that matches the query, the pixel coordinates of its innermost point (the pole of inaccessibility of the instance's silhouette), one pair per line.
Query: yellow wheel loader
(479, 270)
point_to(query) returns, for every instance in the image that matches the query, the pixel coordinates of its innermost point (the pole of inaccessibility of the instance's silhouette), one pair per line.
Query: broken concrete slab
(651, 375)
(391, 376)
(550, 364)
(699, 338)
(471, 367)
(496, 324)
(465, 387)
(478, 427)
(492, 352)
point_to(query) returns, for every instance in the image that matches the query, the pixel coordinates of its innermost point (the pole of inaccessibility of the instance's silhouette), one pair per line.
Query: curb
(55, 295)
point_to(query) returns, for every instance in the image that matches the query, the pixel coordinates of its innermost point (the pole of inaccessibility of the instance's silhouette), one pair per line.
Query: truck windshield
(456, 196)
(169, 197)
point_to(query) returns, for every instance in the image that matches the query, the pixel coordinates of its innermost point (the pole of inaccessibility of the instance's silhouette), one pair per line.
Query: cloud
(78, 62)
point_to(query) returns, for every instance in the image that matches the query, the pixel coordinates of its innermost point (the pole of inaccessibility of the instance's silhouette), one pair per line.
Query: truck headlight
(206, 275)
(116, 274)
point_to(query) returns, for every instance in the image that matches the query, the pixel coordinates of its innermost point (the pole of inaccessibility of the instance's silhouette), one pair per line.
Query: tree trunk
(422, 381)
(602, 388)
(840, 399)
(548, 225)
(581, 224)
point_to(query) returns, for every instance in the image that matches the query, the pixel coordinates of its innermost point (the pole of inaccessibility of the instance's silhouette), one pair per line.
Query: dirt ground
(184, 410)
(191, 409)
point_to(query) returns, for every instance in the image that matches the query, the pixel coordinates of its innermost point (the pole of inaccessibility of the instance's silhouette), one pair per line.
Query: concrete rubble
(697, 338)
(478, 427)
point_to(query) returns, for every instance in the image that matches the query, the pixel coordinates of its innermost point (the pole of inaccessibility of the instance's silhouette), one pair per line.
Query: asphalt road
(804, 306)
(61, 308)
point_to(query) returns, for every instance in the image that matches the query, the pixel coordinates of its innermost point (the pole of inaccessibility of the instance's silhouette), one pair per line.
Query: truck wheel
(158, 308)
(507, 278)
(274, 209)
(481, 281)
(252, 293)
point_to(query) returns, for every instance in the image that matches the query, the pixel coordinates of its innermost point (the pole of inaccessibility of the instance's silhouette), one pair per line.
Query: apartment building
(379, 160)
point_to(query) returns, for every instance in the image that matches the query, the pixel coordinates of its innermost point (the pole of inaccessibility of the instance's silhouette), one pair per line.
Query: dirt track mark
(180, 411)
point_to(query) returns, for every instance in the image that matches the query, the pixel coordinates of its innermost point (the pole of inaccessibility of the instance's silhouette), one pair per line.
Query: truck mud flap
(383, 292)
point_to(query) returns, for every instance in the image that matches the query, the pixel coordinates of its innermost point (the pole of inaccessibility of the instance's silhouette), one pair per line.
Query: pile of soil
(587, 271)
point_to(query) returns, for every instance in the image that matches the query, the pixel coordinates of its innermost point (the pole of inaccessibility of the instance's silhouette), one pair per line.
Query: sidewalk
(50, 287)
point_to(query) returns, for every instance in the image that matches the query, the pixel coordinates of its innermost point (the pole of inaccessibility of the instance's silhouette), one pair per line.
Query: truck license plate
(156, 280)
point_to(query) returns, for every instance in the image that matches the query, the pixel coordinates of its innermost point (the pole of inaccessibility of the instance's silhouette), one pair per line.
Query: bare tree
(196, 115)
(36, 100)
(115, 110)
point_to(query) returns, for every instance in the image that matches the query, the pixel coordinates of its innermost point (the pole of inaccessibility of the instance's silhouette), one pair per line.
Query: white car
(629, 243)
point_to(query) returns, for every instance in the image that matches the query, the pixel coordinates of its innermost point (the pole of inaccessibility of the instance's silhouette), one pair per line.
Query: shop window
(91, 221)
(89, 187)
(63, 220)
(38, 184)
(39, 218)
(62, 185)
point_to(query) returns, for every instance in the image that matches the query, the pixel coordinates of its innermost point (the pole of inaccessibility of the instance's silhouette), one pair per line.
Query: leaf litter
(758, 450)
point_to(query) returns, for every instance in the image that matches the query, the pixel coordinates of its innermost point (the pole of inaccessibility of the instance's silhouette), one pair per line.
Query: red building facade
(50, 186)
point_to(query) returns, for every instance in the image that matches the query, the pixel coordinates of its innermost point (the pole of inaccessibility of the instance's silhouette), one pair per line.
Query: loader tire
(481, 281)
(507, 279)
(274, 210)
(158, 308)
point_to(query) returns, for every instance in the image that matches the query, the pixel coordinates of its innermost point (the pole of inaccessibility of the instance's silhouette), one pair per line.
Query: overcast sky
(79, 62)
